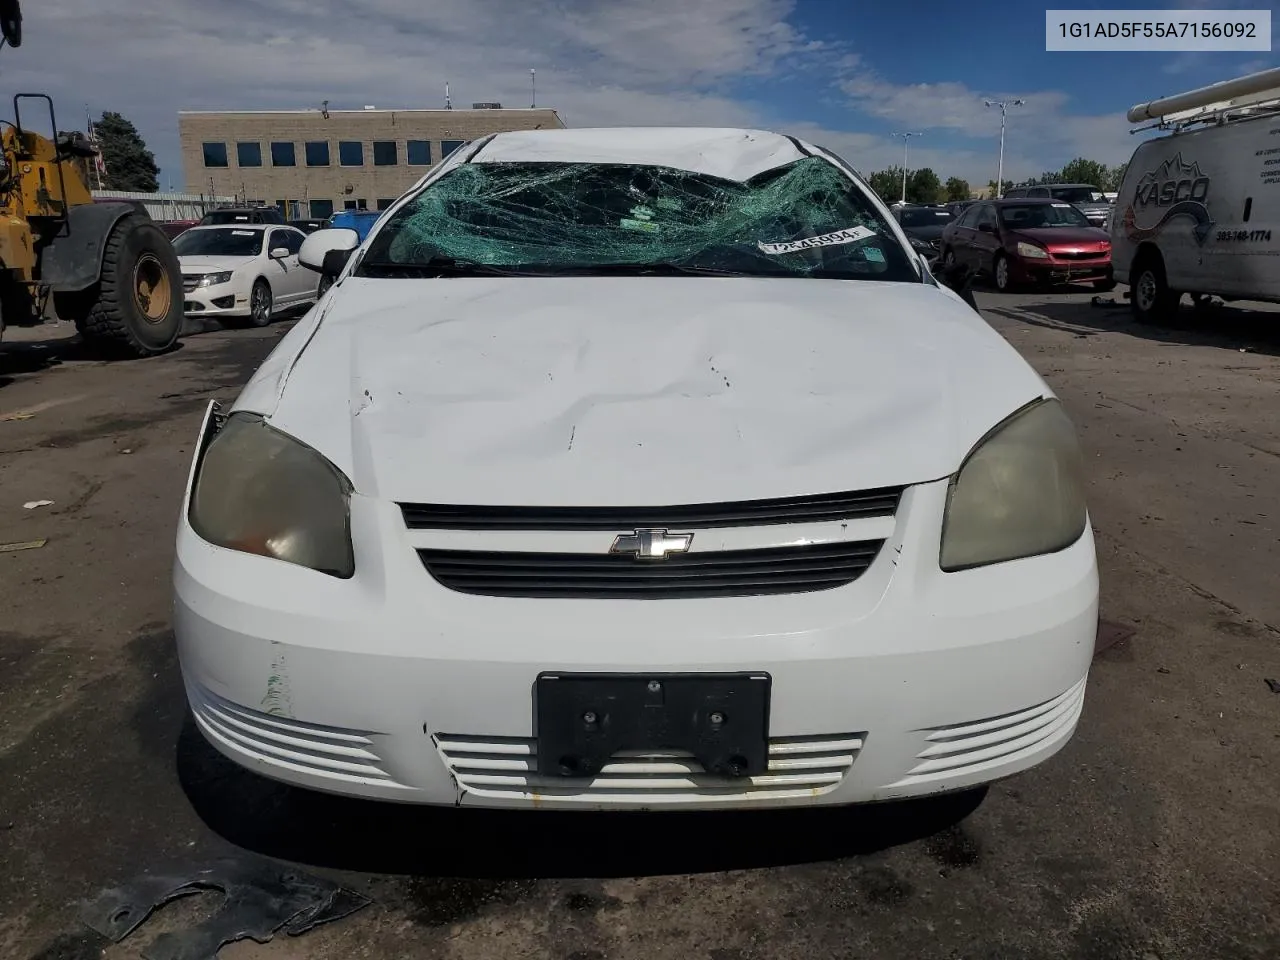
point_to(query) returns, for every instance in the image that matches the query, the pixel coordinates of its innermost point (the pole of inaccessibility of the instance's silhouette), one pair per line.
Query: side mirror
(327, 247)
(986, 227)
(279, 253)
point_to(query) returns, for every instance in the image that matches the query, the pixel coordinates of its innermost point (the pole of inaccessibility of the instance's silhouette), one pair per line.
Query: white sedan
(637, 469)
(245, 273)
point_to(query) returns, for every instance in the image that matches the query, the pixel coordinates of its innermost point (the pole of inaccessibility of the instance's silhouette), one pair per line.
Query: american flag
(98, 163)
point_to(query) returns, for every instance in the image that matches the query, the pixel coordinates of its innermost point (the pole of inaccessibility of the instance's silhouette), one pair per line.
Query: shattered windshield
(806, 219)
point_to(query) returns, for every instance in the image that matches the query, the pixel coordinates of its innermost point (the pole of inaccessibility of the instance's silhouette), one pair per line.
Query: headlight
(213, 279)
(1019, 493)
(1031, 250)
(261, 491)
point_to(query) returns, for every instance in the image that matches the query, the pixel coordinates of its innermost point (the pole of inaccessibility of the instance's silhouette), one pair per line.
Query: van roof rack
(1253, 95)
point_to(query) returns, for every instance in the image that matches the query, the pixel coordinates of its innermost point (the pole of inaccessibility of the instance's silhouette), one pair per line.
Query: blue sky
(843, 73)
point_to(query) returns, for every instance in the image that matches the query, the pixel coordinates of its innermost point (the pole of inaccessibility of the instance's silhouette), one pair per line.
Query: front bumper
(218, 300)
(1055, 271)
(906, 682)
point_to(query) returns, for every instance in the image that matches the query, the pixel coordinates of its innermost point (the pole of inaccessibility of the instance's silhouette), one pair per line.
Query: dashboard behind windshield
(219, 242)
(929, 217)
(1028, 216)
(806, 219)
(1076, 194)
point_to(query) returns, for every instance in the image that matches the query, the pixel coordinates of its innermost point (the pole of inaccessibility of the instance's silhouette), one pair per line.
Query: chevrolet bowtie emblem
(650, 544)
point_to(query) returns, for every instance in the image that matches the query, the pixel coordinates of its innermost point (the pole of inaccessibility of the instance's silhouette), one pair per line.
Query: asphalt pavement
(1154, 834)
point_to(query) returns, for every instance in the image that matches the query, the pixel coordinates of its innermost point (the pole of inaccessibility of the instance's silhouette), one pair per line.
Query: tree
(991, 187)
(1081, 170)
(1115, 175)
(923, 186)
(957, 189)
(130, 165)
(887, 184)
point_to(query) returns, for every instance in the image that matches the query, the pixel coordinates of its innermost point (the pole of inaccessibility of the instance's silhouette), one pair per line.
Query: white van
(1199, 209)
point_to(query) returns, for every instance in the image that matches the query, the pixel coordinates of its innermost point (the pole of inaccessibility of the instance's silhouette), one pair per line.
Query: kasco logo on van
(1178, 189)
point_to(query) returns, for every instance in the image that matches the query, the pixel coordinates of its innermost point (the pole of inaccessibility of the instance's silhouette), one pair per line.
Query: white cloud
(662, 61)
(1041, 133)
(651, 62)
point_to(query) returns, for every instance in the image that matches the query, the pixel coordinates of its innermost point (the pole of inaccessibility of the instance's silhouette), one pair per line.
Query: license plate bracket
(583, 719)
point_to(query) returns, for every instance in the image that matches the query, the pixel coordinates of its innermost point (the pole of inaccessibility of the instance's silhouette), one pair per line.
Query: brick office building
(313, 162)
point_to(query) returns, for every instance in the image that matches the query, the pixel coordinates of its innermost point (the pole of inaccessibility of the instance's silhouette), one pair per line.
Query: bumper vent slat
(723, 573)
(882, 502)
(328, 753)
(506, 769)
(971, 748)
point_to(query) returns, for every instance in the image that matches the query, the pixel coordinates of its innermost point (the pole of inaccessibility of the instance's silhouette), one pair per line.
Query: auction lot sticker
(1136, 31)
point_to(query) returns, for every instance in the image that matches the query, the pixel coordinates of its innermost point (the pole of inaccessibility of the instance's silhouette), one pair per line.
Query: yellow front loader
(106, 266)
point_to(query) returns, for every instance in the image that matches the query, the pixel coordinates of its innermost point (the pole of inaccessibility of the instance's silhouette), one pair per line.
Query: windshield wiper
(434, 267)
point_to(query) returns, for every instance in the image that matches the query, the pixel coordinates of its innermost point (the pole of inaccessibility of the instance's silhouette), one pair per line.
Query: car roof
(729, 153)
(1023, 201)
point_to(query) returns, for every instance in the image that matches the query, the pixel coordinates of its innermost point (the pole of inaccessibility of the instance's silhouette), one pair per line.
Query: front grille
(881, 502)
(506, 768)
(1082, 255)
(965, 748)
(190, 281)
(715, 573)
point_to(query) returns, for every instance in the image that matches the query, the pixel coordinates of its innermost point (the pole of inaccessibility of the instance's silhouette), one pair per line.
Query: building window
(321, 209)
(215, 154)
(317, 153)
(419, 153)
(384, 202)
(283, 207)
(448, 146)
(385, 153)
(282, 155)
(249, 154)
(351, 153)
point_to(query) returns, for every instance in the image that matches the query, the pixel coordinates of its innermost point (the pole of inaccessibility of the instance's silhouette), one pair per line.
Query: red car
(1029, 241)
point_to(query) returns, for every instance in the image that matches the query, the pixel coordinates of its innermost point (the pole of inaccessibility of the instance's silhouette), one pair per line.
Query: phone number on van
(1245, 235)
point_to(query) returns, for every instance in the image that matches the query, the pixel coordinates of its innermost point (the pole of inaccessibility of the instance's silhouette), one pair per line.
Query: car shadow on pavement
(24, 357)
(342, 833)
(1217, 325)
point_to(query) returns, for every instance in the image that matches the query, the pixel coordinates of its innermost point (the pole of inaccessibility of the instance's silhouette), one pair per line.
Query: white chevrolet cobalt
(243, 274)
(642, 468)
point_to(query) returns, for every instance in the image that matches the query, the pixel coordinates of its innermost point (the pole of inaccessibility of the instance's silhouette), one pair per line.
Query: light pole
(906, 137)
(1003, 105)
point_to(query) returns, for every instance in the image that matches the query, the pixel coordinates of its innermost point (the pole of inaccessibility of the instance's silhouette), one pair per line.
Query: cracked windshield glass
(805, 219)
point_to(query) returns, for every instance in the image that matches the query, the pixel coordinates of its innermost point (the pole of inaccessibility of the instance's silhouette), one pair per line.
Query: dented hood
(635, 391)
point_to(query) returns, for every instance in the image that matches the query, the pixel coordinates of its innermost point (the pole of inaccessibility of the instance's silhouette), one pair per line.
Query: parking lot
(1154, 834)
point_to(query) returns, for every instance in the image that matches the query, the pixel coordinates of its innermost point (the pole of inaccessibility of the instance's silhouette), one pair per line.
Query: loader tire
(136, 307)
